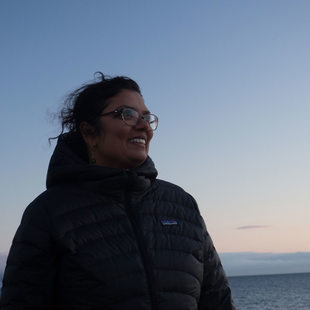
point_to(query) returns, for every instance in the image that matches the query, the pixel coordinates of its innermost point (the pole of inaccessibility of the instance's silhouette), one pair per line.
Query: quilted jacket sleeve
(29, 275)
(215, 293)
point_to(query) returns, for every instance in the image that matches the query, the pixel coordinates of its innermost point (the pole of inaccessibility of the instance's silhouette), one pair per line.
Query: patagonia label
(168, 222)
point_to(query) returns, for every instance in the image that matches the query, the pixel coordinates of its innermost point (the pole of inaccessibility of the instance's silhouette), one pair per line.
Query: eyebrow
(126, 106)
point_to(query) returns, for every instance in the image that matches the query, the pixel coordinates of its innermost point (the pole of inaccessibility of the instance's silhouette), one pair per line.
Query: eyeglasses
(131, 117)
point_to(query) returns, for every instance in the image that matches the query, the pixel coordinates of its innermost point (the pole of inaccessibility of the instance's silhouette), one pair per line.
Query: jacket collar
(69, 164)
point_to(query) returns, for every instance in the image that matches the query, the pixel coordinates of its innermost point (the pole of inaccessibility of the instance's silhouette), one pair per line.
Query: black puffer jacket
(103, 238)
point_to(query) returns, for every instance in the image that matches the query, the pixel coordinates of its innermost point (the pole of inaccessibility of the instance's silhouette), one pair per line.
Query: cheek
(150, 136)
(117, 136)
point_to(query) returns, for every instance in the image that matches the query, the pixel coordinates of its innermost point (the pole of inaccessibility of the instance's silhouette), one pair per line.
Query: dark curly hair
(87, 102)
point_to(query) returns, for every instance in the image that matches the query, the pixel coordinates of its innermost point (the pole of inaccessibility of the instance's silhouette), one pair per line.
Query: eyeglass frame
(141, 116)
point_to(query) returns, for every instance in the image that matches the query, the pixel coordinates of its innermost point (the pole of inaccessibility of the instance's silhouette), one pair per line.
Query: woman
(106, 234)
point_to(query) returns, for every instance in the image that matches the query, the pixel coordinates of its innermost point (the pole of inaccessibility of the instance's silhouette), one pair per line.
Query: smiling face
(119, 145)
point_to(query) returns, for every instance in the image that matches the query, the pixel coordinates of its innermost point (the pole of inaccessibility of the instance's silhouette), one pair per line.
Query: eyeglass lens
(131, 116)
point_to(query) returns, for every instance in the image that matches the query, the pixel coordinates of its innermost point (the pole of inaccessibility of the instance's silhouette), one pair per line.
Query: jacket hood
(69, 164)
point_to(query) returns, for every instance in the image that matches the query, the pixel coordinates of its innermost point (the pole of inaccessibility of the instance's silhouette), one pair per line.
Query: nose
(142, 124)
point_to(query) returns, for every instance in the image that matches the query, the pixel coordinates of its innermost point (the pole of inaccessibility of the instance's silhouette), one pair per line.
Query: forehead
(127, 98)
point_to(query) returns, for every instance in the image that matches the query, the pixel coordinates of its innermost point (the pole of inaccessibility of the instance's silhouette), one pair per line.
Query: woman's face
(119, 145)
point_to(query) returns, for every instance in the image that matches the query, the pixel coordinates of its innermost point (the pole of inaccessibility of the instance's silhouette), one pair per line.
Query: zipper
(145, 258)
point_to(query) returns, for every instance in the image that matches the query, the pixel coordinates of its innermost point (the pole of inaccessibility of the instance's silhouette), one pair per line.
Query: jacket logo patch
(168, 222)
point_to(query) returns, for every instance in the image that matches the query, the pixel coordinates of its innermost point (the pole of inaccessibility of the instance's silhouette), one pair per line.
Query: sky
(229, 81)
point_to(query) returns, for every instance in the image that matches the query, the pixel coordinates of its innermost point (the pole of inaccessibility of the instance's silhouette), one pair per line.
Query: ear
(88, 134)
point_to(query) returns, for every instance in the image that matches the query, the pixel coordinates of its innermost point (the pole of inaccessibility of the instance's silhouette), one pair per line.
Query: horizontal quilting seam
(32, 245)
(177, 292)
(184, 271)
(100, 222)
(114, 256)
(127, 274)
(172, 250)
(95, 276)
(9, 283)
(24, 265)
(174, 218)
(124, 300)
(105, 237)
(78, 209)
(40, 228)
(176, 250)
(176, 234)
(28, 281)
(124, 275)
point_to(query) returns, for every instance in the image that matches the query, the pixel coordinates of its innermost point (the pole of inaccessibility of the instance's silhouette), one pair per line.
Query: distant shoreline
(269, 274)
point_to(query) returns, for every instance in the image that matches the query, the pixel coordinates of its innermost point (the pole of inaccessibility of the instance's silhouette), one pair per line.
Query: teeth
(136, 140)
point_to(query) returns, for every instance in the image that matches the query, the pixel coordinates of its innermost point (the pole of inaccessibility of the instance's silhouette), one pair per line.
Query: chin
(137, 161)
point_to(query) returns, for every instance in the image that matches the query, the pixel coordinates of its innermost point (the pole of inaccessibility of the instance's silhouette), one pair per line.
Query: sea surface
(283, 291)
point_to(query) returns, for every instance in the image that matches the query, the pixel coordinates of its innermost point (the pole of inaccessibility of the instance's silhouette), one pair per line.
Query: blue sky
(229, 81)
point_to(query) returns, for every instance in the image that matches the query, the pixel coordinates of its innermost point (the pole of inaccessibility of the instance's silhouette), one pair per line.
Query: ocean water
(270, 292)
